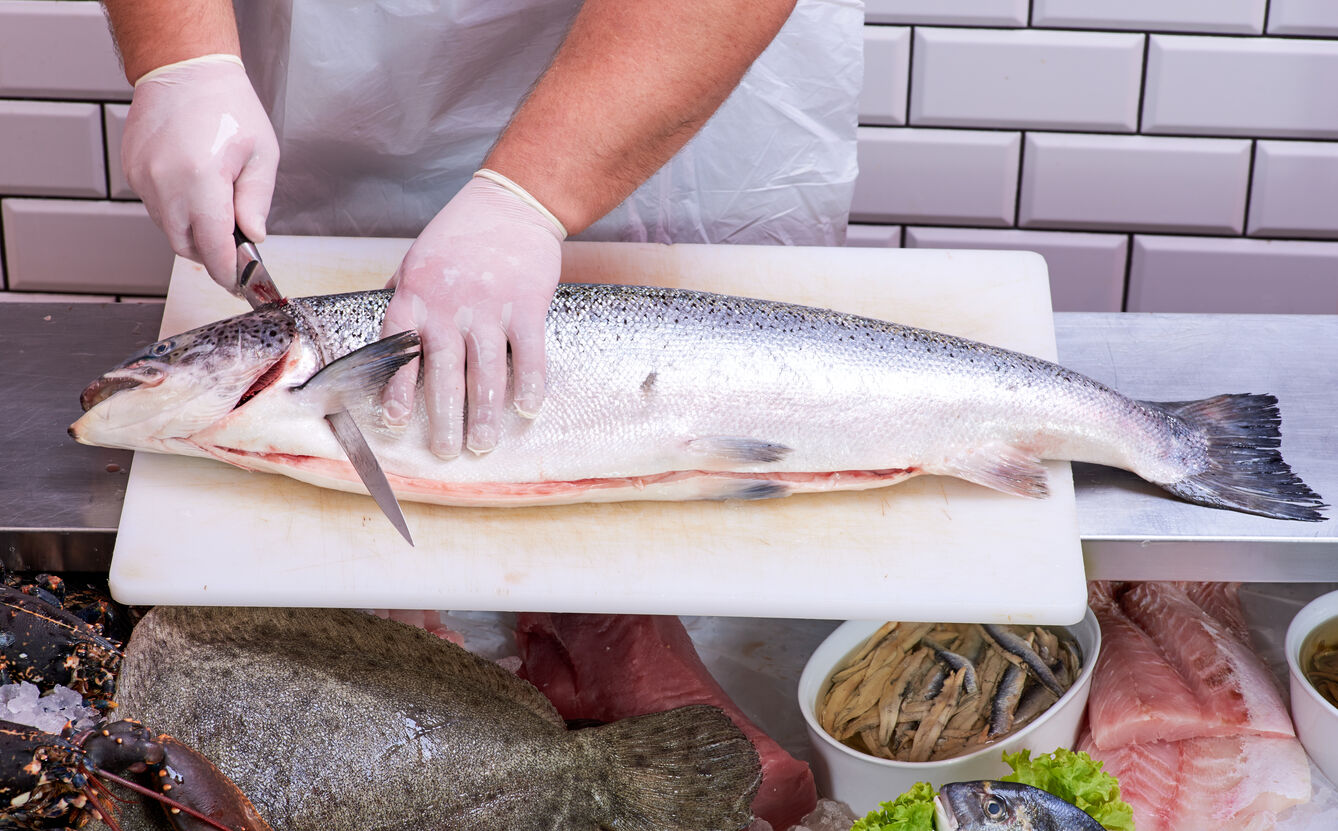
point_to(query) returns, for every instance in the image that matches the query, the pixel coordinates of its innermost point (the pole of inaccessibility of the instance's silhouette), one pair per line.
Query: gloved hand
(199, 150)
(480, 275)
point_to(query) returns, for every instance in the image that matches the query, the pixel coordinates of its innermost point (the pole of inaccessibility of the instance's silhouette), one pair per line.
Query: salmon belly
(678, 485)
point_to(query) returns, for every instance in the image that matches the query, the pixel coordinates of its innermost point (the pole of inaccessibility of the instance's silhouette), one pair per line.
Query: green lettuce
(1077, 778)
(912, 811)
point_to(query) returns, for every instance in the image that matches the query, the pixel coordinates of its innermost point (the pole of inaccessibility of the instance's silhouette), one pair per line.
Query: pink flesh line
(502, 493)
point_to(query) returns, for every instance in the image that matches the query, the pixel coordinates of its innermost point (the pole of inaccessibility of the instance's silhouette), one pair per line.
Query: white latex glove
(200, 151)
(480, 275)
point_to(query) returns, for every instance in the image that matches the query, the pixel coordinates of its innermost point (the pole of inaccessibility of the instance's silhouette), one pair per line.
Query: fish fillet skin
(609, 667)
(1230, 682)
(1136, 695)
(1232, 783)
(730, 397)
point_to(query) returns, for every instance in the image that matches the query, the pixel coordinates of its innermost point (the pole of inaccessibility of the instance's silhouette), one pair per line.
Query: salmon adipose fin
(1245, 470)
(686, 768)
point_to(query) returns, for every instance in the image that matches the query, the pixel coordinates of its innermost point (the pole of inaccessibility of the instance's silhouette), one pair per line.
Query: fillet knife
(257, 288)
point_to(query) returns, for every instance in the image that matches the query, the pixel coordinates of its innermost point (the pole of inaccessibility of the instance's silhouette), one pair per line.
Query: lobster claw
(195, 794)
(188, 777)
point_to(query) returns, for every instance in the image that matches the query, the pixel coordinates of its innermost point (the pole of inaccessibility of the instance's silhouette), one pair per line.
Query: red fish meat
(607, 667)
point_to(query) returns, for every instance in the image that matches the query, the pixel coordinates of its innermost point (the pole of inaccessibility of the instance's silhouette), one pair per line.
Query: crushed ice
(829, 815)
(22, 704)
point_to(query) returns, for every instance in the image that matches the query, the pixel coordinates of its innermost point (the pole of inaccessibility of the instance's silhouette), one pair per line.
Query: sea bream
(668, 394)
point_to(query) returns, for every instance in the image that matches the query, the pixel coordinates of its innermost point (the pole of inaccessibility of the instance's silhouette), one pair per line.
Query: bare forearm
(629, 86)
(154, 33)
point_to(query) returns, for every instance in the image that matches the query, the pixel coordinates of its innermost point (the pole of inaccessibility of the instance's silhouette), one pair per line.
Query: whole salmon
(670, 394)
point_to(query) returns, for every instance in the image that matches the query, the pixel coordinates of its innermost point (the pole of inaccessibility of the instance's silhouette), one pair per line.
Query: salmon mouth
(114, 382)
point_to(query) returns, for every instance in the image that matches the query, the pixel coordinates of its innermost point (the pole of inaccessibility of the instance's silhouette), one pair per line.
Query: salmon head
(182, 384)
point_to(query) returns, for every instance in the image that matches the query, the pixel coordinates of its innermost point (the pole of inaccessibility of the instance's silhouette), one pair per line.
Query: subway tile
(1086, 270)
(956, 13)
(84, 246)
(1295, 191)
(1027, 78)
(58, 50)
(1244, 17)
(50, 148)
(1134, 183)
(1303, 17)
(114, 118)
(954, 177)
(887, 67)
(873, 236)
(1233, 276)
(1278, 87)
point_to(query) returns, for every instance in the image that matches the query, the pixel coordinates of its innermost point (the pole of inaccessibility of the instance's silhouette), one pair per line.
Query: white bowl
(862, 781)
(1316, 720)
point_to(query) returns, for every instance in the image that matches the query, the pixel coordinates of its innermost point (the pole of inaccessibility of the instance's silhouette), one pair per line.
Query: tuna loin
(608, 667)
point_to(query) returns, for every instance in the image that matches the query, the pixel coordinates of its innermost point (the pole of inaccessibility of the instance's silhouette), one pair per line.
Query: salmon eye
(995, 808)
(160, 348)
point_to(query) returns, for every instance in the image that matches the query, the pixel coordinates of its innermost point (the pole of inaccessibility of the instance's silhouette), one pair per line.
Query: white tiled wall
(1163, 155)
(61, 109)
(1180, 155)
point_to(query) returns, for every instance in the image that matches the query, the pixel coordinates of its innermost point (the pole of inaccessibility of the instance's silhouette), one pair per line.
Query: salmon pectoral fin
(360, 373)
(724, 452)
(1001, 467)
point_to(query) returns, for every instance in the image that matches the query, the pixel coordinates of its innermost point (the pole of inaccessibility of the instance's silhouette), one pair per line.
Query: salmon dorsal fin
(1002, 467)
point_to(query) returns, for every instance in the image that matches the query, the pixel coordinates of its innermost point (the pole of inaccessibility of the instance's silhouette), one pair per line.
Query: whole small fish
(1006, 806)
(671, 395)
(330, 719)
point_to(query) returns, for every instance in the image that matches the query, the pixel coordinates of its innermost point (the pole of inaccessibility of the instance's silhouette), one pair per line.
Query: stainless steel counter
(60, 501)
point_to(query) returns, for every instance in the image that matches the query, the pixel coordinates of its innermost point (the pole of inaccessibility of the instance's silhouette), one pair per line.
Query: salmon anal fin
(1003, 468)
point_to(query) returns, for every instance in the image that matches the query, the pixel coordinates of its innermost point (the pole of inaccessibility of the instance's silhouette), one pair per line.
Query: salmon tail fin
(1245, 470)
(685, 768)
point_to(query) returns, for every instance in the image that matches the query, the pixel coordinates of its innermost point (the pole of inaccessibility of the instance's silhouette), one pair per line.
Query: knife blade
(369, 469)
(254, 283)
(257, 288)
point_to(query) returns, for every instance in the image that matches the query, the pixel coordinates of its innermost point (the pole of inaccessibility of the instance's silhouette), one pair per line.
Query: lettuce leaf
(1075, 777)
(912, 811)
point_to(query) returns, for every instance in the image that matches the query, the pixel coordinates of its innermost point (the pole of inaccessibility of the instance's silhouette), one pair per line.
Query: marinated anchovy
(935, 691)
(1034, 662)
(957, 662)
(1006, 697)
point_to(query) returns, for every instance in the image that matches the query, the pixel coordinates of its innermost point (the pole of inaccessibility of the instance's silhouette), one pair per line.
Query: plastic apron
(384, 109)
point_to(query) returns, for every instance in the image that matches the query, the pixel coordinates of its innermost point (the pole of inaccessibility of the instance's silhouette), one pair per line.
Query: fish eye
(160, 348)
(995, 808)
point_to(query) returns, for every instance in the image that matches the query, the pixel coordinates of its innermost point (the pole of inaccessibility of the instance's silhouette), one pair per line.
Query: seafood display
(608, 667)
(665, 394)
(919, 692)
(1006, 806)
(303, 708)
(1186, 715)
(46, 645)
(57, 777)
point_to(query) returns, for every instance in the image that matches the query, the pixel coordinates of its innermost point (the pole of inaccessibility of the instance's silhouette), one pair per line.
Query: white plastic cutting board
(199, 532)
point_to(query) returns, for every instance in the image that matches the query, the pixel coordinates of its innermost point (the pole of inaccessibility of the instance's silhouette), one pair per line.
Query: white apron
(384, 109)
